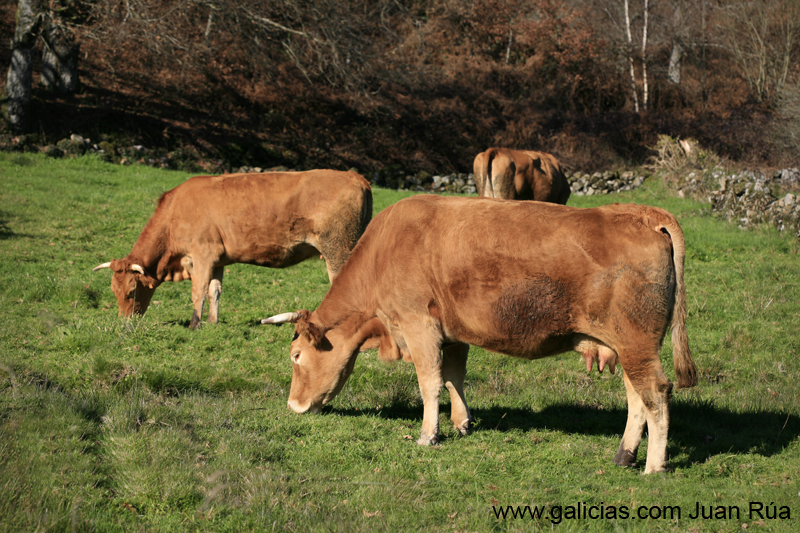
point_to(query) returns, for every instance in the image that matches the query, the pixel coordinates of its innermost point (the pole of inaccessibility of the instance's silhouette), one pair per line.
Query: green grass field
(123, 425)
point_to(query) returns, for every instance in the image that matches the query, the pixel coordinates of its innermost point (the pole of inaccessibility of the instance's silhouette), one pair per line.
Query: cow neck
(349, 302)
(151, 244)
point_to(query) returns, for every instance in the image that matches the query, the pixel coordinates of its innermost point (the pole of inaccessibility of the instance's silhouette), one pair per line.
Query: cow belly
(532, 346)
(275, 256)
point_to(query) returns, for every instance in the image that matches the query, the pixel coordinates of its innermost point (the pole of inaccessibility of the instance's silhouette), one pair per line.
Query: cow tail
(685, 369)
(366, 211)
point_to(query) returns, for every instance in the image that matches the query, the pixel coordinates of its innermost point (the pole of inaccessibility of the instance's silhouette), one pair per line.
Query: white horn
(283, 318)
(137, 268)
(104, 265)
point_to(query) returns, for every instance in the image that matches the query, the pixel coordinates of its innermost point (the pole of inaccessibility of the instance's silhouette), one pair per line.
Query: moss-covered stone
(53, 151)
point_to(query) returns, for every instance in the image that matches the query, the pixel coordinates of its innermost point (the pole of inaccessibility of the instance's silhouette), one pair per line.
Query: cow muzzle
(295, 406)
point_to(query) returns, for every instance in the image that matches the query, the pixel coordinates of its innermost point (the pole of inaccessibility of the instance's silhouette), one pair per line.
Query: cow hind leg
(331, 272)
(656, 402)
(648, 399)
(214, 292)
(629, 447)
(454, 370)
(503, 181)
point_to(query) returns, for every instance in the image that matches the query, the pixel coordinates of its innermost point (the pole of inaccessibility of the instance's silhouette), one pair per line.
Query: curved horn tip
(137, 268)
(104, 265)
(282, 318)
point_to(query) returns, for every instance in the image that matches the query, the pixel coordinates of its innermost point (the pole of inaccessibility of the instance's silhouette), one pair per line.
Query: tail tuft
(685, 369)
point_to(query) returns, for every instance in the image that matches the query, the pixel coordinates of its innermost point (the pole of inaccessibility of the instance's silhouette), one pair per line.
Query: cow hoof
(625, 458)
(464, 427)
(660, 470)
(425, 440)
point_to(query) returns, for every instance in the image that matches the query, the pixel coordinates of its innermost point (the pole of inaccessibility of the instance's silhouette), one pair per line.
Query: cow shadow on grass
(5, 231)
(698, 431)
(184, 323)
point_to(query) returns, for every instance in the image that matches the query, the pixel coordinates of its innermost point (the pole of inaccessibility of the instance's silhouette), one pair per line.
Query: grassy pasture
(107, 424)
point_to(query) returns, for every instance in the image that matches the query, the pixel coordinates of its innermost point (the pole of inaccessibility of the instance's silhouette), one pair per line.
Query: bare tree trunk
(788, 37)
(508, 48)
(644, 54)
(59, 59)
(675, 61)
(679, 32)
(630, 58)
(704, 77)
(208, 25)
(20, 72)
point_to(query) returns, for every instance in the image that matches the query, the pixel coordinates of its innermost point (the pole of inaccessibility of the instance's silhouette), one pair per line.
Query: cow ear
(118, 265)
(144, 279)
(310, 330)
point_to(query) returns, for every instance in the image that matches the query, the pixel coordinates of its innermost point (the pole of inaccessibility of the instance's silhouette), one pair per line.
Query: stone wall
(582, 184)
(745, 198)
(750, 198)
(604, 182)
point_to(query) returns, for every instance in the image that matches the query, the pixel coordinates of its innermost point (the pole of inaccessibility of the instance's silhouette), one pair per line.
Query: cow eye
(295, 357)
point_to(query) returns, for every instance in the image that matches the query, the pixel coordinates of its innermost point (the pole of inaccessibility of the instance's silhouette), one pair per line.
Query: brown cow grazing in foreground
(520, 175)
(275, 219)
(434, 274)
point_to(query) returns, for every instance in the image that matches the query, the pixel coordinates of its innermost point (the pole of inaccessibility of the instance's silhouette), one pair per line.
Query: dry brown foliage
(424, 84)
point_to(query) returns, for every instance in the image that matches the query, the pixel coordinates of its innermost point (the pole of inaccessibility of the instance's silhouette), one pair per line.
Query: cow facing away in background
(274, 219)
(432, 275)
(520, 175)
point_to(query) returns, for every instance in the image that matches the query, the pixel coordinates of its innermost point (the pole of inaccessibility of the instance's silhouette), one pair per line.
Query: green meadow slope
(122, 425)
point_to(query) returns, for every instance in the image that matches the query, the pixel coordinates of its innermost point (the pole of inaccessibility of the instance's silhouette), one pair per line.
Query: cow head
(322, 358)
(131, 285)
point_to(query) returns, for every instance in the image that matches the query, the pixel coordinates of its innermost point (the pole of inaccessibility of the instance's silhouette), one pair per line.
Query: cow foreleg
(201, 278)
(429, 374)
(214, 291)
(454, 369)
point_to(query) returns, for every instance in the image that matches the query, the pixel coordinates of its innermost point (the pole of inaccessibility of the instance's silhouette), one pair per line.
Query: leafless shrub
(676, 157)
(787, 124)
(764, 40)
(335, 43)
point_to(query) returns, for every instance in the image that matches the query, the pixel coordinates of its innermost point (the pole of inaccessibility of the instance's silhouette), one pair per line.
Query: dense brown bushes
(424, 84)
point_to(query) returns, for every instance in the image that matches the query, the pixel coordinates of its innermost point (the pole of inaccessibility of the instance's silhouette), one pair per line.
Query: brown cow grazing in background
(520, 175)
(432, 275)
(275, 219)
